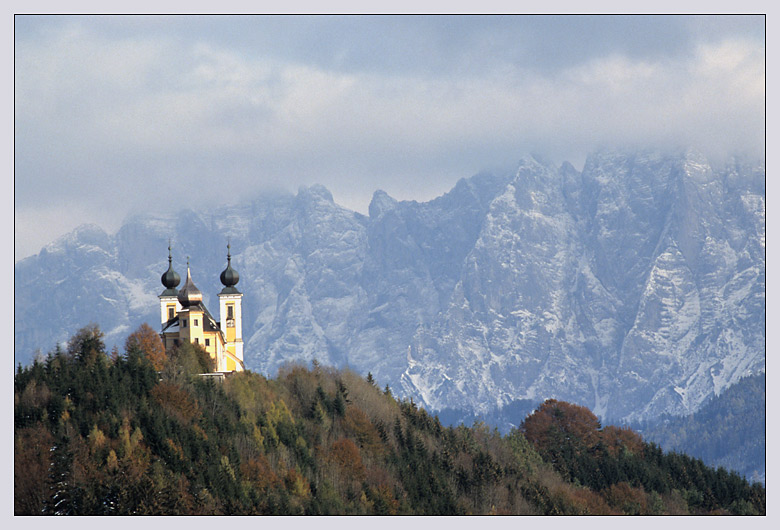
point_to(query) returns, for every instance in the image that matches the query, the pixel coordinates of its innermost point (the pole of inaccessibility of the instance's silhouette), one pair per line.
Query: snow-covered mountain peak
(315, 192)
(381, 202)
(635, 286)
(86, 234)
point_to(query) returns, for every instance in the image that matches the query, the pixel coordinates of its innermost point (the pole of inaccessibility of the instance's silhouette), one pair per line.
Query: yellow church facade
(184, 317)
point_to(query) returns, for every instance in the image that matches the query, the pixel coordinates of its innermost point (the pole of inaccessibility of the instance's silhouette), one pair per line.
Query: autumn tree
(32, 450)
(346, 456)
(616, 439)
(148, 342)
(359, 426)
(98, 437)
(176, 402)
(629, 500)
(556, 424)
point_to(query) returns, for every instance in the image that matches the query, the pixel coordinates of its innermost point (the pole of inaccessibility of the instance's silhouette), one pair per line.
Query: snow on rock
(635, 286)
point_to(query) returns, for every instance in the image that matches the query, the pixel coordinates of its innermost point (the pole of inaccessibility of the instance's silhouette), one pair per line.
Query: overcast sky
(118, 115)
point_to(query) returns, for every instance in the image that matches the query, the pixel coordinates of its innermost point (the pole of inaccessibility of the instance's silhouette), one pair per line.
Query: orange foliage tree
(358, 424)
(175, 401)
(557, 423)
(146, 340)
(260, 473)
(346, 455)
(616, 438)
(627, 499)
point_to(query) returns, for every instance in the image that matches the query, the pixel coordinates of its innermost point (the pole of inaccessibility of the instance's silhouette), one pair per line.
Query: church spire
(189, 294)
(170, 279)
(229, 277)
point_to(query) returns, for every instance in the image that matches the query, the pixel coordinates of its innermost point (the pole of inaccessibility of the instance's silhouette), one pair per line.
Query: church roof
(209, 322)
(172, 322)
(229, 277)
(170, 278)
(189, 295)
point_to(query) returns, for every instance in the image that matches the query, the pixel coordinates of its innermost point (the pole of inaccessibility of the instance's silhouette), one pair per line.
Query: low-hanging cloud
(131, 121)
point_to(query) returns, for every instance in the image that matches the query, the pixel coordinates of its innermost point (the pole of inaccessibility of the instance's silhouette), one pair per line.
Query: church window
(197, 341)
(196, 323)
(183, 323)
(230, 312)
(208, 342)
(170, 312)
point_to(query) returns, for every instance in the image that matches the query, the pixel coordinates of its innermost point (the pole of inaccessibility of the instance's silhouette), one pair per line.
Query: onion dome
(189, 294)
(170, 278)
(229, 277)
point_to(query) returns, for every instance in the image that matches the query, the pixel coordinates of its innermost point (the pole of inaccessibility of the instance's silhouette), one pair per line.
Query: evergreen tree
(122, 437)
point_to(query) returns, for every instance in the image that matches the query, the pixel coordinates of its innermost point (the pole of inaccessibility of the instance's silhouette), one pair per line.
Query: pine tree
(63, 497)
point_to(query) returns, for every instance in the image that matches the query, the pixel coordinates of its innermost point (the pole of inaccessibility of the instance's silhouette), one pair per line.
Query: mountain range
(635, 286)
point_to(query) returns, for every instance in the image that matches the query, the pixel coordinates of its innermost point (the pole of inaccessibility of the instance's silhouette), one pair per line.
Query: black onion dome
(229, 277)
(170, 278)
(189, 294)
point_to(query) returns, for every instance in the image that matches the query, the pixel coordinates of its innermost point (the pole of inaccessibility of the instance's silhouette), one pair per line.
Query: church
(184, 317)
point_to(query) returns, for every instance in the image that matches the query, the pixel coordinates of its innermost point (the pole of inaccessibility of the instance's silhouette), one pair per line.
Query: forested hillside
(139, 432)
(728, 431)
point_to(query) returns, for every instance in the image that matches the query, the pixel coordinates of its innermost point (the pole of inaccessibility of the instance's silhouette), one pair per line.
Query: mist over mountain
(635, 287)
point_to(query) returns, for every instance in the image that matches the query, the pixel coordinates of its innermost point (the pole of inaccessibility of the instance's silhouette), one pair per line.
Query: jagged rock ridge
(635, 286)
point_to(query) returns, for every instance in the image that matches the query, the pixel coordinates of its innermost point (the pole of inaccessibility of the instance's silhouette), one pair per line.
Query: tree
(147, 341)
(63, 495)
(359, 425)
(175, 401)
(557, 423)
(86, 346)
(32, 457)
(346, 455)
(188, 359)
(617, 438)
(564, 434)
(121, 438)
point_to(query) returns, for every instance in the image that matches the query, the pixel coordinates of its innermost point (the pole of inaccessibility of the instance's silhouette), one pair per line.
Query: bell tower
(230, 316)
(169, 303)
(191, 314)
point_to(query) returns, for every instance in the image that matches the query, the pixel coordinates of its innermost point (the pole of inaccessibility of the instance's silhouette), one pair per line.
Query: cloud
(134, 116)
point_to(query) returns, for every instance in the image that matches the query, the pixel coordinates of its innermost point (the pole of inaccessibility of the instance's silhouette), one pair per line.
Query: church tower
(191, 313)
(185, 318)
(230, 316)
(169, 303)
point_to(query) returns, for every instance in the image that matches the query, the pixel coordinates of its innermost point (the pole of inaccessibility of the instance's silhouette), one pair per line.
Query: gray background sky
(117, 115)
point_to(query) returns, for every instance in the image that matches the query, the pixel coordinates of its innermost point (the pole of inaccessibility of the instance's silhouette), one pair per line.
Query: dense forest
(729, 431)
(140, 432)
